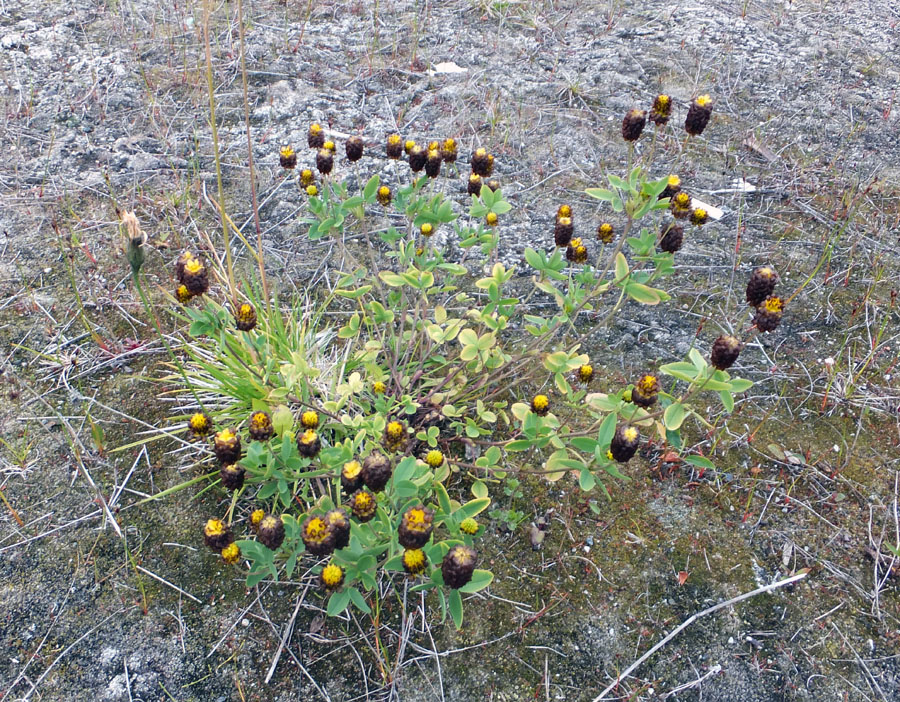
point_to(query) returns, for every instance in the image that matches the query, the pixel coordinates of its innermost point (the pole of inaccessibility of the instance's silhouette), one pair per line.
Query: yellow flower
(231, 553)
(332, 576)
(434, 458)
(309, 419)
(540, 404)
(469, 526)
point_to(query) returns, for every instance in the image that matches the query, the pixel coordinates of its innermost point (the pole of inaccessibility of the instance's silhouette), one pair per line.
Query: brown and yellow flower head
(474, 186)
(769, 313)
(433, 146)
(540, 405)
(646, 391)
(195, 277)
(468, 526)
(661, 110)
(324, 161)
(417, 158)
(312, 191)
(308, 444)
(270, 532)
(433, 162)
(673, 185)
(394, 436)
(699, 216)
(376, 471)
(633, 124)
(493, 184)
(331, 576)
(260, 426)
(434, 458)
(379, 388)
(307, 178)
(182, 261)
(363, 505)
(458, 566)
(394, 146)
(672, 237)
(354, 148)
(414, 561)
(408, 146)
(199, 425)
(449, 150)
(427, 229)
(564, 211)
(231, 554)
(287, 157)
(761, 284)
(182, 294)
(624, 443)
(577, 252)
(491, 219)
(217, 535)
(318, 536)
(330, 146)
(309, 419)
(383, 195)
(351, 476)
(725, 351)
(315, 137)
(245, 317)
(605, 233)
(256, 517)
(680, 204)
(482, 163)
(698, 115)
(227, 446)
(562, 231)
(415, 527)
(585, 373)
(232, 476)
(339, 522)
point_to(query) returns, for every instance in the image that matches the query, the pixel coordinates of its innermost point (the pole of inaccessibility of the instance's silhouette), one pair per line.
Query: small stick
(166, 582)
(284, 637)
(694, 617)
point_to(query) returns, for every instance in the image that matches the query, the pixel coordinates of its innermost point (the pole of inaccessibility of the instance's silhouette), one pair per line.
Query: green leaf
(480, 580)
(642, 293)
(472, 508)
(533, 259)
(607, 430)
(338, 603)
(584, 443)
(601, 194)
(354, 294)
(371, 188)
(697, 359)
(727, 400)
(479, 489)
(674, 416)
(392, 279)
(586, 480)
(519, 445)
(699, 461)
(357, 599)
(621, 267)
(739, 385)
(455, 605)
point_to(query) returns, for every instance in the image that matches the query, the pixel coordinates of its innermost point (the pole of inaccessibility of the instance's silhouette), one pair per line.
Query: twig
(694, 617)
(166, 582)
(285, 636)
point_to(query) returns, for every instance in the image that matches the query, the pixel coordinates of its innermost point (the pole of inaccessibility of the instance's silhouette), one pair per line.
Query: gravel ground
(105, 106)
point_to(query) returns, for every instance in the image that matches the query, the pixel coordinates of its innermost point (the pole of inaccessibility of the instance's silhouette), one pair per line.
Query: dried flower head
(417, 158)
(231, 554)
(414, 561)
(232, 476)
(363, 505)
(260, 426)
(227, 446)
(633, 124)
(245, 317)
(699, 216)
(458, 566)
(181, 263)
(725, 351)
(672, 237)
(769, 313)
(624, 443)
(195, 277)
(330, 146)
(315, 137)
(307, 177)
(135, 240)
(182, 294)
(394, 146)
(308, 444)
(287, 157)
(540, 405)
(383, 195)
(482, 163)
(474, 185)
(585, 373)
(408, 145)
(199, 424)
(351, 476)
(761, 284)
(324, 161)
(564, 211)
(646, 391)
(376, 471)
(698, 115)
(577, 252)
(354, 148)
(339, 522)
(562, 231)
(433, 162)
(270, 532)
(256, 516)
(673, 185)
(680, 204)
(415, 527)
(217, 535)
(661, 110)
(318, 536)
(448, 150)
